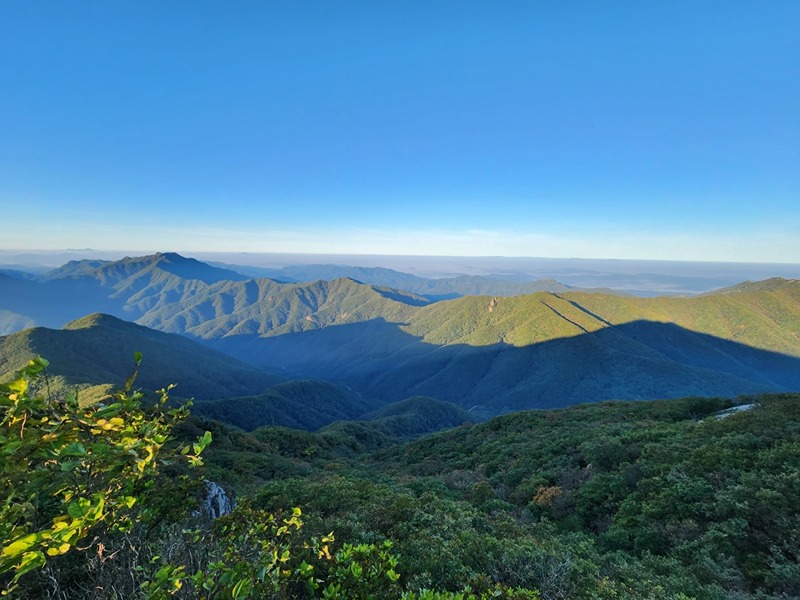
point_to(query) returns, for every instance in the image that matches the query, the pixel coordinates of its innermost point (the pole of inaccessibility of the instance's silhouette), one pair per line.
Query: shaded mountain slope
(296, 404)
(639, 360)
(417, 416)
(51, 303)
(553, 350)
(98, 350)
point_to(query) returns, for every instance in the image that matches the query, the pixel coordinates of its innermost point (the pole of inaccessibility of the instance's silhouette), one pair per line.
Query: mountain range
(442, 288)
(379, 344)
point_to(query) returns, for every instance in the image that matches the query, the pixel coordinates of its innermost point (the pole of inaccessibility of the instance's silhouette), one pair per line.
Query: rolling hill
(95, 354)
(305, 404)
(97, 350)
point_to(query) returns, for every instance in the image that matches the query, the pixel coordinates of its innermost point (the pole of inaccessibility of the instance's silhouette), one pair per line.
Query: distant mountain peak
(175, 264)
(174, 257)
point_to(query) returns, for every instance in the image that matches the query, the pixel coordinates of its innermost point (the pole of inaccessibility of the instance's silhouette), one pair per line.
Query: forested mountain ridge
(755, 286)
(178, 295)
(494, 354)
(555, 349)
(125, 288)
(658, 500)
(172, 293)
(132, 271)
(264, 307)
(99, 349)
(442, 288)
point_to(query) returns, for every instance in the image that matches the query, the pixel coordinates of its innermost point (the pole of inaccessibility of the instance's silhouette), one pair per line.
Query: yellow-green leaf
(20, 545)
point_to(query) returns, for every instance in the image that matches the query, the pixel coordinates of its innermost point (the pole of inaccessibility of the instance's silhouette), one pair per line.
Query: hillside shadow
(57, 302)
(634, 361)
(403, 298)
(190, 268)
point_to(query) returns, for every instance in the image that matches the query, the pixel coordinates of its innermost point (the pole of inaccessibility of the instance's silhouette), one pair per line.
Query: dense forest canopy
(671, 499)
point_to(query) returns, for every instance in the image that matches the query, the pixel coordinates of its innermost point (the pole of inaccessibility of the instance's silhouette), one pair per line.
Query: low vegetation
(98, 502)
(615, 500)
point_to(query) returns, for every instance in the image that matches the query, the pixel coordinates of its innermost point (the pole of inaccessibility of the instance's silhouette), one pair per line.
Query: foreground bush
(96, 502)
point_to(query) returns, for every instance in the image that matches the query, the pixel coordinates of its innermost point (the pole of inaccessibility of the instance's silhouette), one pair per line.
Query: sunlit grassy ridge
(764, 318)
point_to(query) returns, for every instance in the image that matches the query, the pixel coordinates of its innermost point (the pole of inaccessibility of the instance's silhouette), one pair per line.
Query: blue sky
(664, 130)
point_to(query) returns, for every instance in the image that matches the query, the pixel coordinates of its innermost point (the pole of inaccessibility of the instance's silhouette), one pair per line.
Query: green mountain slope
(768, 317)
(267, 308)
(499, 354)
(419, 415)
(246, 450)
(298, 404)
(754, 286)
(611, 500)
(98, 350)
(554, 349)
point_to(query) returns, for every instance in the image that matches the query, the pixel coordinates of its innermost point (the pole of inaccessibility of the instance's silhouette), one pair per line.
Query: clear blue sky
(539, 128)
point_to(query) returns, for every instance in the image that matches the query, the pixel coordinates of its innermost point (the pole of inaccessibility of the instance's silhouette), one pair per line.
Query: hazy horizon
(635, 131)
(640, 277)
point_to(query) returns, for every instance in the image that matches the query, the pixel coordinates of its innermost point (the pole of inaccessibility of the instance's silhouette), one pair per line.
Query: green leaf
(78, 508)
(110, 410)
(241, 589)
(21, 545)
(30, 560)
(70, 465)
(74, 449)
(205, 440)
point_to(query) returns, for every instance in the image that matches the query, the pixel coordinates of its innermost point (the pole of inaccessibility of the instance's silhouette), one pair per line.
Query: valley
(544, 445)
(375, 345)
